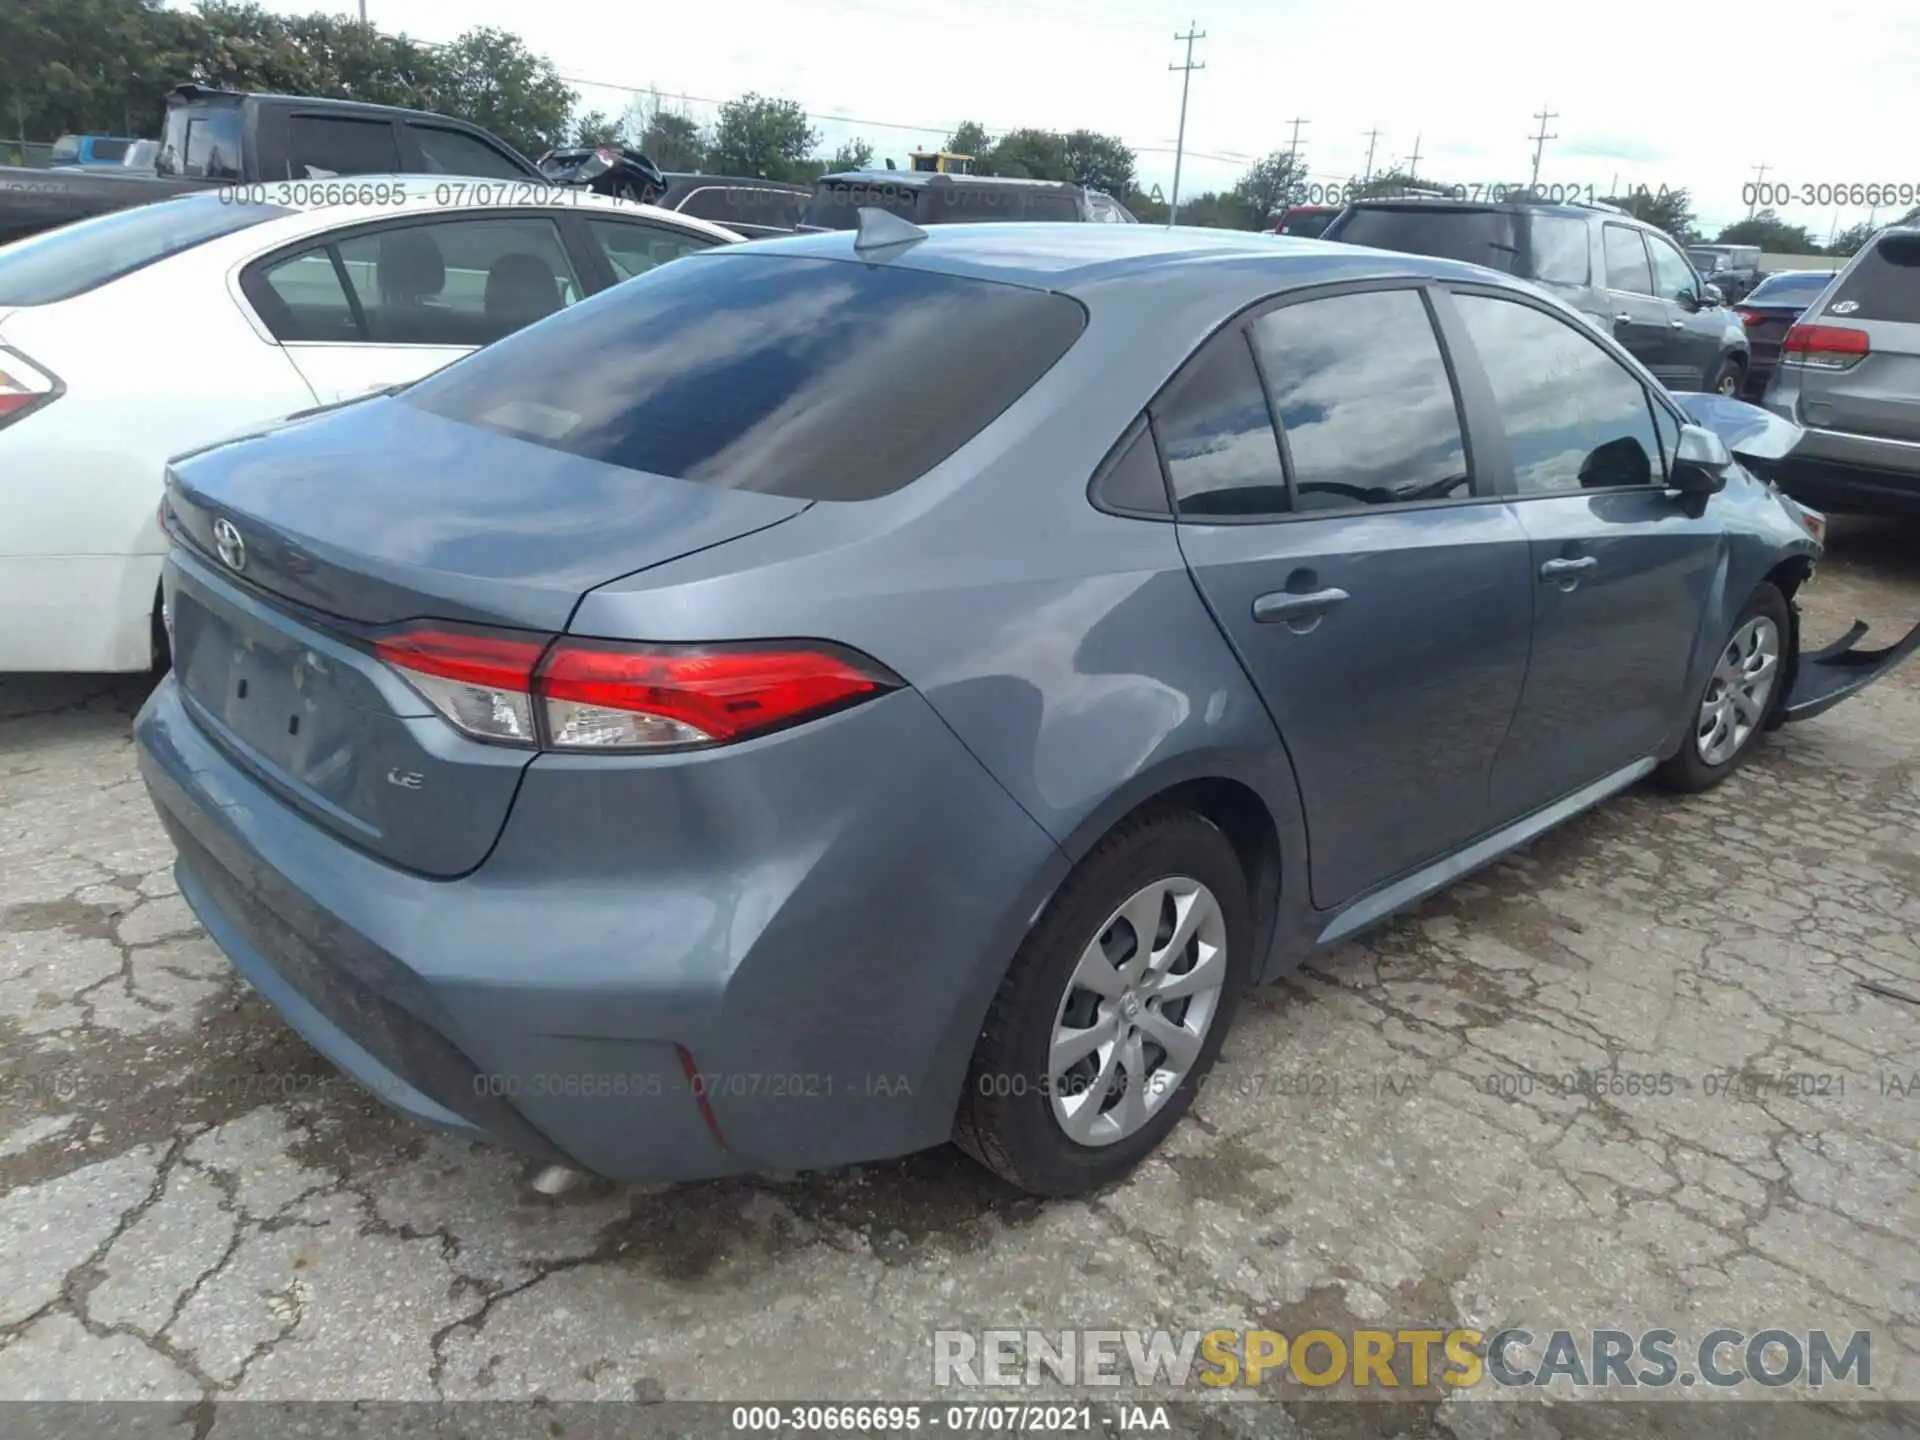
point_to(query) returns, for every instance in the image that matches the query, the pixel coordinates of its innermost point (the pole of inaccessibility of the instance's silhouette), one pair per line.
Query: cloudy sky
(1647, 92)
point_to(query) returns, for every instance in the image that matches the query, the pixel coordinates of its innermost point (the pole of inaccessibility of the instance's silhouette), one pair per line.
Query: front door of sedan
(1379, 604)
(384, 304)
(1622, 569)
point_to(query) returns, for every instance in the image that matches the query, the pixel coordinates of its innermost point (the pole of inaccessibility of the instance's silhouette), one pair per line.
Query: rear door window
(1216, 435)
(322, 145)
(815, 379)
(633, 248)
(458, 282)
(1627, 267)
(301, 300)
(210, 143)
(59, 264)
(1883, 283)
(1364, 400)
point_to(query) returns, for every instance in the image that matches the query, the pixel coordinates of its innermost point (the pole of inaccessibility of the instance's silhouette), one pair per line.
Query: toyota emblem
(226, 540)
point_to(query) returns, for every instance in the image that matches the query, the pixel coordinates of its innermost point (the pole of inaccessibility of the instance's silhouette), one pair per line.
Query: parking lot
(192, 1203)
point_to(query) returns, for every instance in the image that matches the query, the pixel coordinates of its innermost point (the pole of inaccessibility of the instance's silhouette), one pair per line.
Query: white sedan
(131, 337)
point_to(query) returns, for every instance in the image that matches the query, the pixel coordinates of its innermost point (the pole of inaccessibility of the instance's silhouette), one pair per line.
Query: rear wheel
(1740, 697)
(1729, 378)
(1114, 1009)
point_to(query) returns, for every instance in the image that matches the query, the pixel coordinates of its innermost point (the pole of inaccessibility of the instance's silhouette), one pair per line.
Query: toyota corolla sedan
(829, 696)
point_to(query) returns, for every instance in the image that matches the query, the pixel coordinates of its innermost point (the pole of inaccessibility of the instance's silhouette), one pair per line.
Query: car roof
(939, 177)
(1075, 258)
(676, 179)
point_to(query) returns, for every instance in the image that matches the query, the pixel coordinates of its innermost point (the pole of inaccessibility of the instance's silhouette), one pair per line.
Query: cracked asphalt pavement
(194, 1205)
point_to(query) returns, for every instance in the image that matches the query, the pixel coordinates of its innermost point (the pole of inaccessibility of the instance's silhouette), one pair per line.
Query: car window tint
(1559, 250)
(1487, 237)
(303, 300)
(458, 282)
(1217, 435)
(1627, 267)
(1672, 275)
(1790, 288)
(1130, 480)
(452, 152)
(1883, 283)
(111, 151)
(753, 371)
(1575, 417)
(323, 145)
(73, 259)
(1363, 398)
(213, 145)
(633, 249)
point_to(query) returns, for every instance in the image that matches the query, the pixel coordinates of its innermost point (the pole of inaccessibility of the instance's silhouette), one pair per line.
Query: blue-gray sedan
(828, 696)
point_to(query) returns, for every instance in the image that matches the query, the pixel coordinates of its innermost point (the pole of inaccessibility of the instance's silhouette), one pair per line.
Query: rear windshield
(1883, 283)
(85, 255)
(1789, 289)
(1484, 237)
(837, 206)
(815, 379)
(1308, 223)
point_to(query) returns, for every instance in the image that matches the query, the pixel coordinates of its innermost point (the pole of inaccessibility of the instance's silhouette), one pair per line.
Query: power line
(1543, 115)
(1180, 142)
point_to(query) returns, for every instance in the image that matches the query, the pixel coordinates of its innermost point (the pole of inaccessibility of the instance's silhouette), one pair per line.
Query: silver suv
(1849, 372)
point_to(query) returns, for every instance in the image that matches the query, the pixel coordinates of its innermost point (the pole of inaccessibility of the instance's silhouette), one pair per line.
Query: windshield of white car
(60, 264)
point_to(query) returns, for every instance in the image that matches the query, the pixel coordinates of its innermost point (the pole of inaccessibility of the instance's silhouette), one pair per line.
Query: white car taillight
(24, 386)
(608, 695)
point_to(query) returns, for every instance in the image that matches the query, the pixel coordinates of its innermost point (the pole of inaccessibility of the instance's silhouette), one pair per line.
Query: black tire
(1687, 771)
(1005, 1119)
(1730, 374)
(162, 649)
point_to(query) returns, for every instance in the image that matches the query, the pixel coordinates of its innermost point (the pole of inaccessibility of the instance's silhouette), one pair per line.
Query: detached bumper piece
(1823, 678)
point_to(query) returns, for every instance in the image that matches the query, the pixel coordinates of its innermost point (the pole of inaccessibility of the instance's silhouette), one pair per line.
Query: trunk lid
(1879, 293)
(379, 511)
(361, 517)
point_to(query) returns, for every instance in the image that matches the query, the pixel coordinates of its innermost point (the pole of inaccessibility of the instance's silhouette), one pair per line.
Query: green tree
(1664, 209)
(1767, 230)
(1266, 189)
(1218, 210)
(673, 141)
(1029, 155)
(757, 135)
(1102, 161)
(1849, 240)
(969, 138)
(596, 127)
(89, 65)
(855, 154)
(489, 77)
(1394, 180)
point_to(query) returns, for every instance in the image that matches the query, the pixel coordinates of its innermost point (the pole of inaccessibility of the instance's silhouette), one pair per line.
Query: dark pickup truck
(224, 137)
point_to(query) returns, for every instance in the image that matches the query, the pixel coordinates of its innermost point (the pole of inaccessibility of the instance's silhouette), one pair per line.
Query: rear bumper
(813, 923)
(1842, 471)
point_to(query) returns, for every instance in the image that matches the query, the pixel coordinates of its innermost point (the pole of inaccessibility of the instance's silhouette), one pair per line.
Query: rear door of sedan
(1377, 590)
(1622, 568)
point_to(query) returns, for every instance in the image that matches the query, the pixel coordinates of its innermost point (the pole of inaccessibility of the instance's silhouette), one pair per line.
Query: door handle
(1567, 569)
(1289, 605)
(1623, 319)
(1678, 324)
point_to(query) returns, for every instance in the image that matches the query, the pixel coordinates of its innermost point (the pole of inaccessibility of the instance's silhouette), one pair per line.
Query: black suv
(944, 199)
(1630, 279)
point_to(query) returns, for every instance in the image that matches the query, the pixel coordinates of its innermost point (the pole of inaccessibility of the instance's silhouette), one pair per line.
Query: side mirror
(1700, 462)
(1712, 294)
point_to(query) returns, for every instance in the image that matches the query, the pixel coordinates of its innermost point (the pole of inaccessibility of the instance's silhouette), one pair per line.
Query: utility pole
(1543, 115)
(1413, 163)
(1293, 146)
(1373, 135)
(1180, 145)
(1759, 178)
(363, 12)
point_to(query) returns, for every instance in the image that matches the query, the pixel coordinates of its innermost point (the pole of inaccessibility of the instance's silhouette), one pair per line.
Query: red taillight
(24, 386)
(603, 695)
(1747, 317)
(1824, 347)
(481, 682)
(610, 695)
